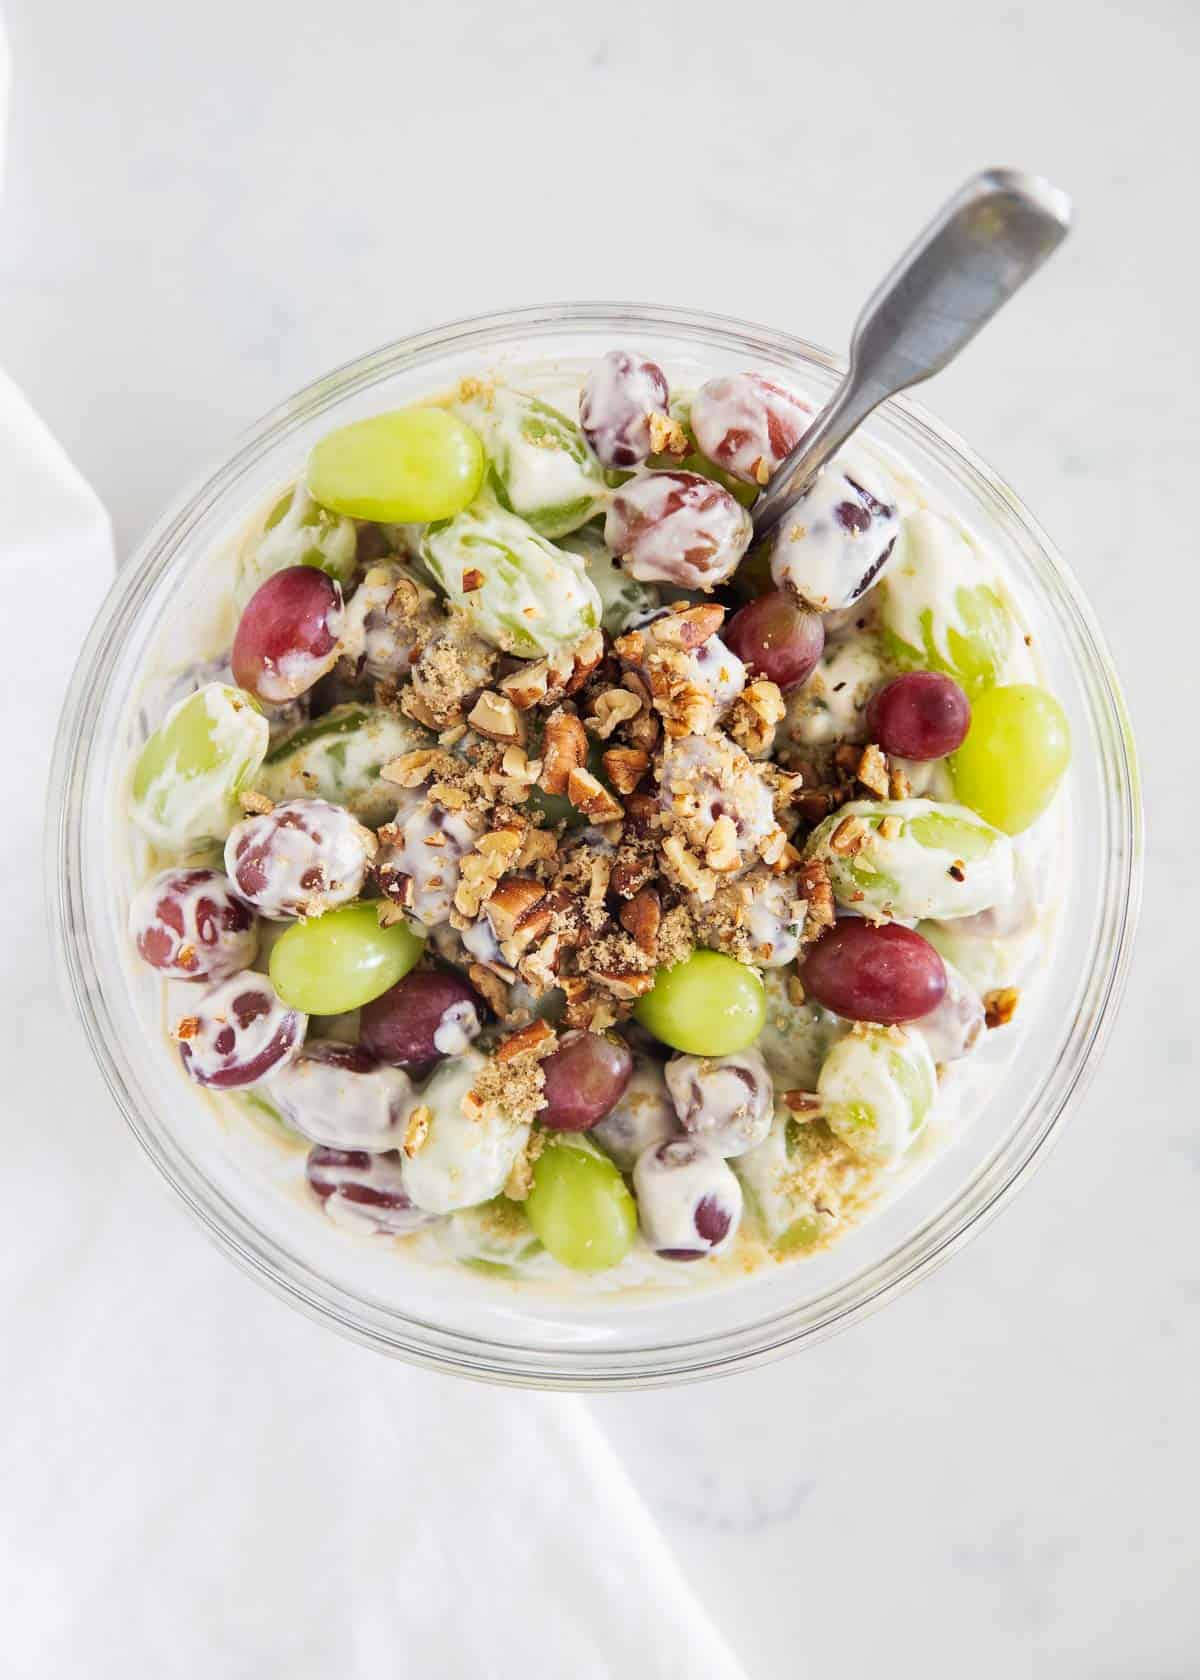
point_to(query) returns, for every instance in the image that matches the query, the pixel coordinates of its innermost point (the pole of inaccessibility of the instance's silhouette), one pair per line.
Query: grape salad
(571, 887)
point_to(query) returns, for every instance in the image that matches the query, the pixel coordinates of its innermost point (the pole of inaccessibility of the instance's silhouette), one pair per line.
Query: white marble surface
(206, 207)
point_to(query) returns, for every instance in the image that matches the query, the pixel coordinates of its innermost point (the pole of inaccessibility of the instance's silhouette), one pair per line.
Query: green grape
(984, 962)
(494, 1237)
(772, 1178)
(796, 1036)
(695, 462)
(579, 1206)
(623, 600)
(877, 1088)
(706, 1005)
(339, 756)
(413, 464)
(297, 532)
(932, 619)
(1014, 756)
(189, 773)
(530, 597)
(912, 858)
(341, 960)
(542, 467)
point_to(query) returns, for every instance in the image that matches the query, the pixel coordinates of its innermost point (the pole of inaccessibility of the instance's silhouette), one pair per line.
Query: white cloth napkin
(195, 1481)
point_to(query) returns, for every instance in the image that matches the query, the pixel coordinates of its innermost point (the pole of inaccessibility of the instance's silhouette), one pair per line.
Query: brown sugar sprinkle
(1000, 1006)
(512, 1088)
(957, 870)
(472, 579)
(187, 1028)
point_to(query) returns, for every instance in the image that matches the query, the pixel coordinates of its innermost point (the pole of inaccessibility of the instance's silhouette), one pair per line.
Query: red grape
(342, 1096)
(358, 1189)
(188, 925)
(724, 1101)
(921, 715)
(677, 527)
(619, 395)
(747, 424)
(239, 1033)
(289, 634)
(689, 1202)
(644, 1115)
(778, 639)
(586, 1077)
(300, 859)
(429, 1014)
(863, 972)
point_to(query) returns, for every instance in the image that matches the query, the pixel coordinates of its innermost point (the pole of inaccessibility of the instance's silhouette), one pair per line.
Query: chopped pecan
(512, 899)
(495, 716)
(625, 767)
(721, 848)
(1000, 1006)
(667, 436)
(538, 846)
(872, 771)
(490, 987)
(564, 749)
(687, 869)
(849, 837)
(472, 579)
(624, 986)
(413, 769)
(641, 918)
(535, 1039)
(803, 1105)
(753, 718)
(417, 1130)
(813, 882)
(255, 804)
(614, 706)
(591, 796)
(688, 627)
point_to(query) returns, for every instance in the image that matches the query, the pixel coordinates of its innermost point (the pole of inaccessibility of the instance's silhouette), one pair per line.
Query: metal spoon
(979, 249)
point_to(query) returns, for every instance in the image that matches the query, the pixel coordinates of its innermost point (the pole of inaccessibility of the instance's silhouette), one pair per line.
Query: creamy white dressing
(795, 1038)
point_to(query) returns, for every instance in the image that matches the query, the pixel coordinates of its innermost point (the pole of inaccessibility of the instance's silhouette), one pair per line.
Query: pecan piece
(535, 1039)
(688, 627)
(591, 796)
(625, 767)
(641, 918)
(564, 749)
(495, 716)
(512, 899)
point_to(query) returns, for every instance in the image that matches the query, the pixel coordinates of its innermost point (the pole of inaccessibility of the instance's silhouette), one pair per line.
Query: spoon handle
(980, 248)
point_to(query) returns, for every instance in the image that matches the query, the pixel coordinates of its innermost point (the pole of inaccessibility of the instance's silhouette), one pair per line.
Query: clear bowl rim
(483, 1358)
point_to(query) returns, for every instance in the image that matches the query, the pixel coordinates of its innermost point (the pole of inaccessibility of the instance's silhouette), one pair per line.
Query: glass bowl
(483, 1327)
